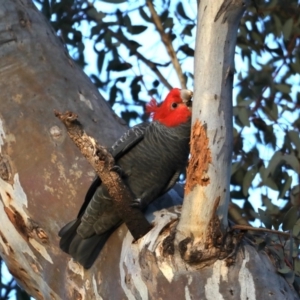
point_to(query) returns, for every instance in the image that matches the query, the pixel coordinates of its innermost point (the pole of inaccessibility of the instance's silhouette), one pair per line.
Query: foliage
(267, 158)
(132, 61)
(268, 104)
(124, 62)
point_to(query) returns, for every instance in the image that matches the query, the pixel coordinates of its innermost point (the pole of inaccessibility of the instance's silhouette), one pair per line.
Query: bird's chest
(152, 163)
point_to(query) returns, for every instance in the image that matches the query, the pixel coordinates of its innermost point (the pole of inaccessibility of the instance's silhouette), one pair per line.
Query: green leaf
(116, 65)
(133, 47)
(295, 195)
(129, 115)
(137, 29)
(263, 173)
(188, 30)
(257, 37)
(136, 87)
(127, 22)
(259, 123)
(164, 15)
(168, 23)
(294, 137)
(290, 218)
(274, 162)
(292, 161)
(234, 167)
(278, 25)
(95, 30)
(94, 14)
(265, 218)
(271, 184)
(296, 66)
(100, 60)
(243, 114)
(187, 50)
(249, 210)
(296, 228)
(245, 103)
(237, 195)
(285, 188)
(181, 11)
(108, 40)
(249, 176)
(144, 15)
(271, 208)
(287, 28)
(269, 136)
(283, 88)
(113, 95)
(271, 111)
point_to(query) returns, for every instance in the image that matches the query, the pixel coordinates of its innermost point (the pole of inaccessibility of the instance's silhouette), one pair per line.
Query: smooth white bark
(214, 66)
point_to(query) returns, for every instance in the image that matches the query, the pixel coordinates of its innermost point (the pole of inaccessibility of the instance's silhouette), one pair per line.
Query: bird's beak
(186, 96)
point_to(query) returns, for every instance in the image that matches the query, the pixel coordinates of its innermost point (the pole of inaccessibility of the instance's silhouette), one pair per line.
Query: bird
(150, 157)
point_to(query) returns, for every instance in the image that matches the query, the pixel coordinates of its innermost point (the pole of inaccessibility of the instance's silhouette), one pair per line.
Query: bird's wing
(90, 193)
(128, 140)
(172, 181)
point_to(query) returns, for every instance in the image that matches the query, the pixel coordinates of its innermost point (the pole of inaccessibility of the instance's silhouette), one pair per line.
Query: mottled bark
(152, 273)
(43, 177)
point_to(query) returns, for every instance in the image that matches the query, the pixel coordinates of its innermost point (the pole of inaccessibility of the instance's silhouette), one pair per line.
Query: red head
(174, 111)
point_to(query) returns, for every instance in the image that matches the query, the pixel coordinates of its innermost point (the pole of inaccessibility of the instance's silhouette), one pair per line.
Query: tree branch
(250, 228)
(168, 44)
(146, 61)
(103, 162)
(235, 215)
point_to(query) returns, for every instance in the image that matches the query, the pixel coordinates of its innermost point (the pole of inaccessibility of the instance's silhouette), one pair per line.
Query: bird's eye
(174, 105)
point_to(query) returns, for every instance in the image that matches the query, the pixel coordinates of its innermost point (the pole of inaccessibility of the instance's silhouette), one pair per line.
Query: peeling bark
(200, 158)
(148, 272)
(208, 174)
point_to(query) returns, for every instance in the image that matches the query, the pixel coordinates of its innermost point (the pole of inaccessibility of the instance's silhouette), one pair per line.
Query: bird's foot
(136, 203)
(118, 170)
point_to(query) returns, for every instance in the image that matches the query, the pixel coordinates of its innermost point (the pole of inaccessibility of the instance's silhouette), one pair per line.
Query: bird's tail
(84, 251)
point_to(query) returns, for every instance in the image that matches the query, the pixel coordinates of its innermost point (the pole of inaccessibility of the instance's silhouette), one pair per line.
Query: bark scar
(200, 158)
(17, 220)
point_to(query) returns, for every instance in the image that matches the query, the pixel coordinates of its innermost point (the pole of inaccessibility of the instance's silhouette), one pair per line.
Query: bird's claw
(118, 170)
(136, 203)
(93, 144)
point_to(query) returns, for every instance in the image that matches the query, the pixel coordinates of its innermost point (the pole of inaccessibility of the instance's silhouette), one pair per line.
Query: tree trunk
(43, 177)
(43, 180)
(208, 175)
